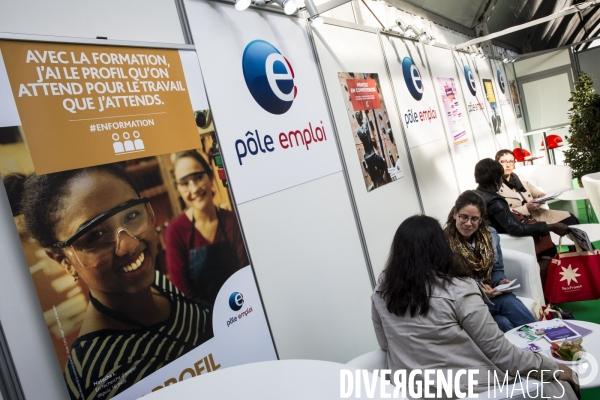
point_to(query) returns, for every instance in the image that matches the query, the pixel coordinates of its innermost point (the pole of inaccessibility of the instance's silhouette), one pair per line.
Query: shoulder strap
(116, 315)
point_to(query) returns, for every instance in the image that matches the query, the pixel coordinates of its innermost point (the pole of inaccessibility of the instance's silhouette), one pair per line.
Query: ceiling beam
(433, 17)
(568, 11)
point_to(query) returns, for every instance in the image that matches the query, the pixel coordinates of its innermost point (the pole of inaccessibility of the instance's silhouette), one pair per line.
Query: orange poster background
(60, 140)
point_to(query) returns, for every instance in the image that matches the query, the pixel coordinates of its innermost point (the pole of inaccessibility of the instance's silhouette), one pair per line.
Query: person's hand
(503, 281)
(559, 228)
(568, 375)
(533, 206)
(489, 291)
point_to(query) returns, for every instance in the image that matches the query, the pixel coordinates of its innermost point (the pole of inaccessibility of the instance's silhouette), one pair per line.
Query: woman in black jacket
(488, 174)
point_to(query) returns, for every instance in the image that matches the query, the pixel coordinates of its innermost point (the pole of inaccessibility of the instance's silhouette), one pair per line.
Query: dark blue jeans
(509, 312)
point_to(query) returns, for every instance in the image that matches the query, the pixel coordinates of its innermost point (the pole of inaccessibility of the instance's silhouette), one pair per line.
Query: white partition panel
(423, 126)
(383, 209)
(459, 135)
(311, 271)
(542, 63)
(138, 20)
(505, 102)
(492, 102)
(301, 233)
(474, 97)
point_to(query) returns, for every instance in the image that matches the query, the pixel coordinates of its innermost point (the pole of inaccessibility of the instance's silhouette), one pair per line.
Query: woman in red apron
(204, 243)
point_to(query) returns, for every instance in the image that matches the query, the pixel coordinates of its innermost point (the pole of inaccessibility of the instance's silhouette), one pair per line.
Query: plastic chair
(591, 184)
(554, 141)
(522, 155)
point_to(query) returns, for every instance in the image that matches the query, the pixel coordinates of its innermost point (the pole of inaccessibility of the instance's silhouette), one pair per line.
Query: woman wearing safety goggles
(93, 222)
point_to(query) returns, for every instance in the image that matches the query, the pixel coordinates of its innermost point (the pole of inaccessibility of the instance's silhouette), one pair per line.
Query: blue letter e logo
(470, 80)
(412, 77)
(269, 77)
(236, 301)
(501, 81)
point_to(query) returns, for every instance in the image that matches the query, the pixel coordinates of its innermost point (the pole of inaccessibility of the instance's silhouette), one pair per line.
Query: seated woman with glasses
(204, 244)
(93, 222)
(478, 247)
(520, 194)
(429, 314)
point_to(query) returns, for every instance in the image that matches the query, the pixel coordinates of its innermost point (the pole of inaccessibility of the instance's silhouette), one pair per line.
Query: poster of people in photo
(515, 98)
(375, 141)
(491, 98)
(454, 114)
(114, 176)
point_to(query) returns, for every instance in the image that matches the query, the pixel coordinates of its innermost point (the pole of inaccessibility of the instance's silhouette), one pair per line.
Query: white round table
(588, 368)
(577, 194)
(268, 380)
(592, 230)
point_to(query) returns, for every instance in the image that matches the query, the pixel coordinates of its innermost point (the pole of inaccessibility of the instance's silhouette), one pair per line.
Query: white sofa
(550, 178)
(591, 183)
(524, 268)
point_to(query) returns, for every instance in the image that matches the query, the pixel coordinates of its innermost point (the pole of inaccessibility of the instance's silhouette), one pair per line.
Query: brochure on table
(108, 121)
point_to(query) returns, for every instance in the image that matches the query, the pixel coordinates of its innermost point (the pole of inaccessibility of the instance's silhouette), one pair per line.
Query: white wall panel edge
(94, 42)
(441, 108)
(351, 197)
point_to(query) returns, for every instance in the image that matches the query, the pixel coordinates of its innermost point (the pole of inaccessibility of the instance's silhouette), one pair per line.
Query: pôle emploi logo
(414, 84)
(236, 301)
(501, 81)
(269, 77)
(470, 80)
(412, 77)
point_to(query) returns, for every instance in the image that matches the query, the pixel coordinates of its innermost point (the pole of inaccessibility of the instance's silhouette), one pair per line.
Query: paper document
(507, 286)
(581, 239)
(548, 197)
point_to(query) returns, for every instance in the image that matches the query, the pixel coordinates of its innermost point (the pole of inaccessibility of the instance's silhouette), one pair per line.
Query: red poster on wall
(363, 94)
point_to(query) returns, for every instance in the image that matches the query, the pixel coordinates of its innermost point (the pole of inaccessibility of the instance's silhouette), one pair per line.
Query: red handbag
(573, 276)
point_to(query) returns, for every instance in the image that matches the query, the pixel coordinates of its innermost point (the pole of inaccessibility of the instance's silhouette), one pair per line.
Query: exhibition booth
(317, 141)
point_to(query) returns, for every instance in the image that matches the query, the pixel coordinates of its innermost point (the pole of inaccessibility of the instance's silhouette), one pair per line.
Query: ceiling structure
(497, 15)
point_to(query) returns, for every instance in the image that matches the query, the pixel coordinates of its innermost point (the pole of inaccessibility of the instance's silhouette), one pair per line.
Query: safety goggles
(97, 240)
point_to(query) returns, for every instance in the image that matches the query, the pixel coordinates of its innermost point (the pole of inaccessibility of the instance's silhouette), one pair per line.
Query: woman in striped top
(93, 222)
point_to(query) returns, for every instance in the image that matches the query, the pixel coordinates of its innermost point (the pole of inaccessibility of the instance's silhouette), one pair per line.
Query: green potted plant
(583, 156)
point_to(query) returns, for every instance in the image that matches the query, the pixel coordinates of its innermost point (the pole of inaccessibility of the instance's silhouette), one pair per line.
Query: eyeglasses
(96, 241)
(195, 177)
(464, 218)
(505, 162)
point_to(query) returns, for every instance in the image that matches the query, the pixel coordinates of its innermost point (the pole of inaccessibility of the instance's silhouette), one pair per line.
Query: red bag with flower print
(573, 276)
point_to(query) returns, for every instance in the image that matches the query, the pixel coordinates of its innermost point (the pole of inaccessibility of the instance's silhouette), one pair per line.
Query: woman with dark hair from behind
(478, 247)
(429, 314)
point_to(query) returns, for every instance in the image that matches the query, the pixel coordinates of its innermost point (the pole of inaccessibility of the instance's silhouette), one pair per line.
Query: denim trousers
(509, 312)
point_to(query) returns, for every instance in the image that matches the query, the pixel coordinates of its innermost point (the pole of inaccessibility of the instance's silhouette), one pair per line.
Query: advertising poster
(475, 99)
(113, 174)
(515, 99)
(504, 99)
(496, 116)
(375, 141)
(281, 131)
(453, 112)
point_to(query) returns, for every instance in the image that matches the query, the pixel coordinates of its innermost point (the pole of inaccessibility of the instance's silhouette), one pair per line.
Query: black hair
(420, 259)
(40, 198)
(503, 152)
(488, 173)
(466, 198)
(196, 156)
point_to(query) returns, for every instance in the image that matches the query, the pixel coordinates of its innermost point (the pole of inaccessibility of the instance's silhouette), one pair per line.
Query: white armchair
(550, 178)
(524, 268)
(591, 183)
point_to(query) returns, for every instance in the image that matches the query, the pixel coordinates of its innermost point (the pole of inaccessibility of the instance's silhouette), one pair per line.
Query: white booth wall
(383, 209)
(309, 263)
